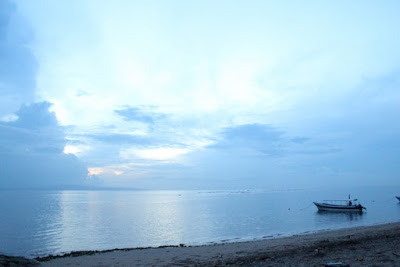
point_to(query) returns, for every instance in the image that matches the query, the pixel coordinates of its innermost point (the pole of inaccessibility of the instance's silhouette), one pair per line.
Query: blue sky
(200, 94)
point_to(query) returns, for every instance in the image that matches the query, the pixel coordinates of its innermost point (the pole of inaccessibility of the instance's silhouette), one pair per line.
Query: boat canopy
(343, 201)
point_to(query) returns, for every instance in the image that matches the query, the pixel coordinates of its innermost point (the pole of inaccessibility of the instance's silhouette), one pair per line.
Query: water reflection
(340, 216)
(26, 217)
(44, 222)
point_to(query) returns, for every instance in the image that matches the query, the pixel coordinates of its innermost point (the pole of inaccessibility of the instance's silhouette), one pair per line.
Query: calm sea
(38, 223)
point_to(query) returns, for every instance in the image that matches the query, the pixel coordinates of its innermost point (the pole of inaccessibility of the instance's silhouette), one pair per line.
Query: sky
(199, 94)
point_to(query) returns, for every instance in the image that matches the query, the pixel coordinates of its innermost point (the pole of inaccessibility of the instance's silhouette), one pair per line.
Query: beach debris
(336, 264)
(17, 261)
(319, 252)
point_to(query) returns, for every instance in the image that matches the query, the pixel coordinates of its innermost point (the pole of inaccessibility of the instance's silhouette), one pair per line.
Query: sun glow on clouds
(124, 171)
(95, 171)
(103, 170)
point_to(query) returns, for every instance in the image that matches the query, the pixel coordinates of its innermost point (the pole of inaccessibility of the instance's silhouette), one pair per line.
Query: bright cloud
(95, 171)
(76, 150)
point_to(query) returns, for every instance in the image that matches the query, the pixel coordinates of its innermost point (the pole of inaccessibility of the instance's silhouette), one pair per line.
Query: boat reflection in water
(340, 216)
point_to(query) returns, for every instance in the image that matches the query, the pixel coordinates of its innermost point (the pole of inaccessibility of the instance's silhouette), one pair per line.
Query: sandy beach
(377, 245)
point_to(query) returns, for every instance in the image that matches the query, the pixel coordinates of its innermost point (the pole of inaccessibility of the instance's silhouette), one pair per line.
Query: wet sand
(377, 245)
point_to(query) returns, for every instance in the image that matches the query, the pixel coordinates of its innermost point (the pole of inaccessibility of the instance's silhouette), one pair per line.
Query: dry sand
(377, 245)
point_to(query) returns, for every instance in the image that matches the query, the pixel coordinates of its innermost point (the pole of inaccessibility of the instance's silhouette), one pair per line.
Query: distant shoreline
(358, 246)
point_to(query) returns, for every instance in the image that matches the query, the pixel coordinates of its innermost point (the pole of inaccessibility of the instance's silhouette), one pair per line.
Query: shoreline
(377, 245)
(78, 253)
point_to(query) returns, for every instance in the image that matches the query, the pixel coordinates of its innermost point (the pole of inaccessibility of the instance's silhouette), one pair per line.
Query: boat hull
(338, 208)
(398, 198)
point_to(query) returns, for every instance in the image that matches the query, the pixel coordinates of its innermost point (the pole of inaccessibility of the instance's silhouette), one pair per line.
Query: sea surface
(39, 223)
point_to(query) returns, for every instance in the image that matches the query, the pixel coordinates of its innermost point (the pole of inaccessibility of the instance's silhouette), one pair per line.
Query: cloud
(121, 139)
(300, 140)
(161, 154)
(32, 142)
(18, 67)
(31, 150)
(252, 132)
(256, 137)
(237, 96)
(139, 114)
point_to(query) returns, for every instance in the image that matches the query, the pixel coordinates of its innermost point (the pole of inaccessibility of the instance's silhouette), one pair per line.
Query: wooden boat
(340, 205)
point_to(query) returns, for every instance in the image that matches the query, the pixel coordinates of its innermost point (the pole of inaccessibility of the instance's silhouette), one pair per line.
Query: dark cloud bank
(31, 151)
(31, 147)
